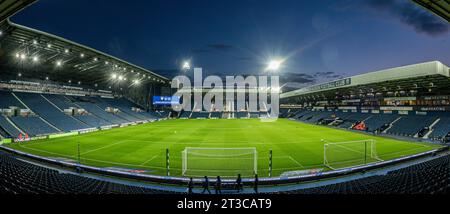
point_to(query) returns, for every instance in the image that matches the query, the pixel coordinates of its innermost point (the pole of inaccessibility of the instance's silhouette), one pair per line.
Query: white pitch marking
(298, 163)
(148, 161)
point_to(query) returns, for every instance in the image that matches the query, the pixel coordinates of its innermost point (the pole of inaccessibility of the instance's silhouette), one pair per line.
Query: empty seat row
(19, 177)
(430, 177)
(411, 125)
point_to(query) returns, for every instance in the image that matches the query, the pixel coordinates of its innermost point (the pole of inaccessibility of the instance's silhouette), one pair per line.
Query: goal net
(225, 162)
(352, 153)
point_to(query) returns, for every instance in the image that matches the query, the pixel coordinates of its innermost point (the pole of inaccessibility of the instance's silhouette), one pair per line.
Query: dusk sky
(320, 40)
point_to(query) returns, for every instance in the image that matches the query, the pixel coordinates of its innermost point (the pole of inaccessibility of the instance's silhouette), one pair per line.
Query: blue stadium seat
(50, 113)
(411, 125)
(33, 126)
(441, 129)
(376, 121)
(7, 100)
(8, 127)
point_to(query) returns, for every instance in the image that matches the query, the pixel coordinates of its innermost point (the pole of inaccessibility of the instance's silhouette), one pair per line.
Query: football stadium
(76, 120)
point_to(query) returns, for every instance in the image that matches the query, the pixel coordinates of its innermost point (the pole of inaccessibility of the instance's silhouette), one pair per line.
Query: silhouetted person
(218, 185)
(190, 186)
(206, 185)
(255, 185)
(239, 186)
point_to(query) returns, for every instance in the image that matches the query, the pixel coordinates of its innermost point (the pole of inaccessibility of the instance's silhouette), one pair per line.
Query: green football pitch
(295, 146)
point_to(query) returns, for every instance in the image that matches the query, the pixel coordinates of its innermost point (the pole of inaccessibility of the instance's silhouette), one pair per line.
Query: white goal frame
(184, 155)
(372, 145)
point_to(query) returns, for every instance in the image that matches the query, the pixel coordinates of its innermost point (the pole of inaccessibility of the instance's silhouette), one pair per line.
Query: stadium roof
(11, 7)
(439, 7)
(49, 55)
(424, 77)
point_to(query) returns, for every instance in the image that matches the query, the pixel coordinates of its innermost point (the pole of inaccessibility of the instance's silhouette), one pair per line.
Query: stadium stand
(430, 177)
(127, 107)
(441, 129)
(216, 115)
(60, 101)
(8, 100)
(411, 125)
(46, 110)
(92, 108)
(20, 177)
(105, 103)
(185, 115)
(318, 116)
(254, 115)
(65, 103)
(200, 115)
(405, 125)
(377, 121)
(33, 126)
(241, 115)
(8, 128)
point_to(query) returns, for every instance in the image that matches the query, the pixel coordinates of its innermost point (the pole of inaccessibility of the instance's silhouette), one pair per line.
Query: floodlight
(58, 63)
(186, 66)
(274, 65)
(120, 77)
(35, 42)
(136, 82)
(19, 74)
(82, 55)
(49, 45)
(46, 78)
(23, 56)
(114, 76)
(66, 51)
(17, 55)
(35, 59)
(95, 59)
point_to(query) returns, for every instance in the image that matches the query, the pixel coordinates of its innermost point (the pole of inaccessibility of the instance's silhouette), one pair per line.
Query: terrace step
(391, 125)
(13, 124)
(21, 102)
(54, 105)
(431, 128)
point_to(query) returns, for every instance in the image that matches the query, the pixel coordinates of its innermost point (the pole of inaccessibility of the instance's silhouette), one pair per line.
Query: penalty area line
(149, 160)
(295, 161)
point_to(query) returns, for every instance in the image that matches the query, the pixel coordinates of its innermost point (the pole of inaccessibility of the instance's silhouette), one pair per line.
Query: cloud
(216, 47)
(220, 47)
(410, 14)
(302, 78)
(321, 74)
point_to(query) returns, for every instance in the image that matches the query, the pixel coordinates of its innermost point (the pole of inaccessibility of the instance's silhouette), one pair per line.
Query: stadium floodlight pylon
(225, 162)
(351, 153)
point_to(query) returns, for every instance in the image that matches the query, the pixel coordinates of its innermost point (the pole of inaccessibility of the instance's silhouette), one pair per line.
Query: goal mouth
(224, 162)
(338, 155)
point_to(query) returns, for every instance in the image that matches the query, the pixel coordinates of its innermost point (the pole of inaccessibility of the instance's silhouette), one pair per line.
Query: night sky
(320, 40)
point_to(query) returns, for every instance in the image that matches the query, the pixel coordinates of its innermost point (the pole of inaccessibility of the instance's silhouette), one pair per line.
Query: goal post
(225, 162)
(351, 153)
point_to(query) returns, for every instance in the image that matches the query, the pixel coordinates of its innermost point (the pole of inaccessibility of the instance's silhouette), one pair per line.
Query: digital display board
(166, 100)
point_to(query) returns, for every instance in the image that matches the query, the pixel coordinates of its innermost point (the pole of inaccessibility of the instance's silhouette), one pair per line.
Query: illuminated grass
(296, 146)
